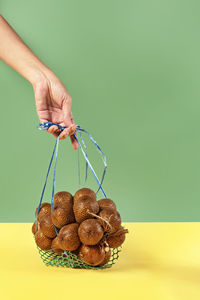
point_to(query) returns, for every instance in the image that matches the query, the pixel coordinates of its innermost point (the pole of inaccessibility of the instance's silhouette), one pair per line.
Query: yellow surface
(158, 261)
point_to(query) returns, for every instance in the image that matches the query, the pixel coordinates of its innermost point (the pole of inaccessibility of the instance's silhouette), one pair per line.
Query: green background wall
(133, 71)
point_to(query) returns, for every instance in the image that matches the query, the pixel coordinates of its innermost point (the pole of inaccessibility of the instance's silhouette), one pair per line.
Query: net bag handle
(82, 146)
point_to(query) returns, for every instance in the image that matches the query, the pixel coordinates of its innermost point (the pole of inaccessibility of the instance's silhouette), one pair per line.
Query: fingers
(74, 142)
(69, 122)
(69, 131)
(52, 129)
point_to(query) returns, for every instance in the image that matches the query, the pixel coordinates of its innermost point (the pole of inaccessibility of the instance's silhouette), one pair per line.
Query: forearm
(15, 53)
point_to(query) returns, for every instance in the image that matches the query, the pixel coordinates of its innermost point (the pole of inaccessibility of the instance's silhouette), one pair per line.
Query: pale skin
(53, 101)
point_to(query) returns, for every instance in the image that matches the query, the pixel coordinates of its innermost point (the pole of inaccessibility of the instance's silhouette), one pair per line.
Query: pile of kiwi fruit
(80, 224)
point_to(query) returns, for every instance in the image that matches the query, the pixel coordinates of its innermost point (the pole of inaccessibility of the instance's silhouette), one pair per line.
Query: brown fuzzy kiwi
(55, 246)
(45, 209)
(34, 227)
(47, 226)
(110, 220)
(59, 217)
(90, 232)
(92, 255)
(117, 238)
(63, 200)
(42, 241)
(84, 194)
(84, 208)
(107, 203)
(68, 237)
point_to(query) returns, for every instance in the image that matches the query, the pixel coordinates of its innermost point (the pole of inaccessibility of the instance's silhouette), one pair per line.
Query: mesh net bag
(68, 258)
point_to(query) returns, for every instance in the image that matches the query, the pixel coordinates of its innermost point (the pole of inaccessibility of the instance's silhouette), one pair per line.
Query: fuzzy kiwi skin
(84, 194)
(107, 203)
(34, 227)
(45, 209)
(112, 217)
(90, 232)
(47, 226)
(91, 255)
(42, 241)
(83, 208)
(117, 238)
(55, 246)
(60, 218)
(68, 237)
(63, 200)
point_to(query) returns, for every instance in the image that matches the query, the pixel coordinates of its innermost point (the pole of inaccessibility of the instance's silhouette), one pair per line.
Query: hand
(53, 104)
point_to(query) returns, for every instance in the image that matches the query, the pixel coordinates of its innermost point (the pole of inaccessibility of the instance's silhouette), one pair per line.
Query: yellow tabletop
(158, 261)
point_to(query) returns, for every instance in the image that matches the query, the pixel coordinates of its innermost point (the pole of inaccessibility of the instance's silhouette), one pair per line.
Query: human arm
(53, 102)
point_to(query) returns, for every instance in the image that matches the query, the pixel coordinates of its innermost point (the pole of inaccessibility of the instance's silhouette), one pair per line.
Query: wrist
(38, 74)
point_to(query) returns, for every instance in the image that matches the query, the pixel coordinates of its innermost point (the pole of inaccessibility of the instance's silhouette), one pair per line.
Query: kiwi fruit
(47, 226)
(45, 209)
(42, 241)
(92, 255)
(34, 227)
(117, 238)
(59, 217)
(63, 200)
(90, 232)
(55, 246)
(83, 209)
(84, 194)
(106, 203)
(68, 237)
(110, 220)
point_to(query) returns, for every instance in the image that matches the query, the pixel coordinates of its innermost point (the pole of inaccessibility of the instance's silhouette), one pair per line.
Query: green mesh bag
(69, 259)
